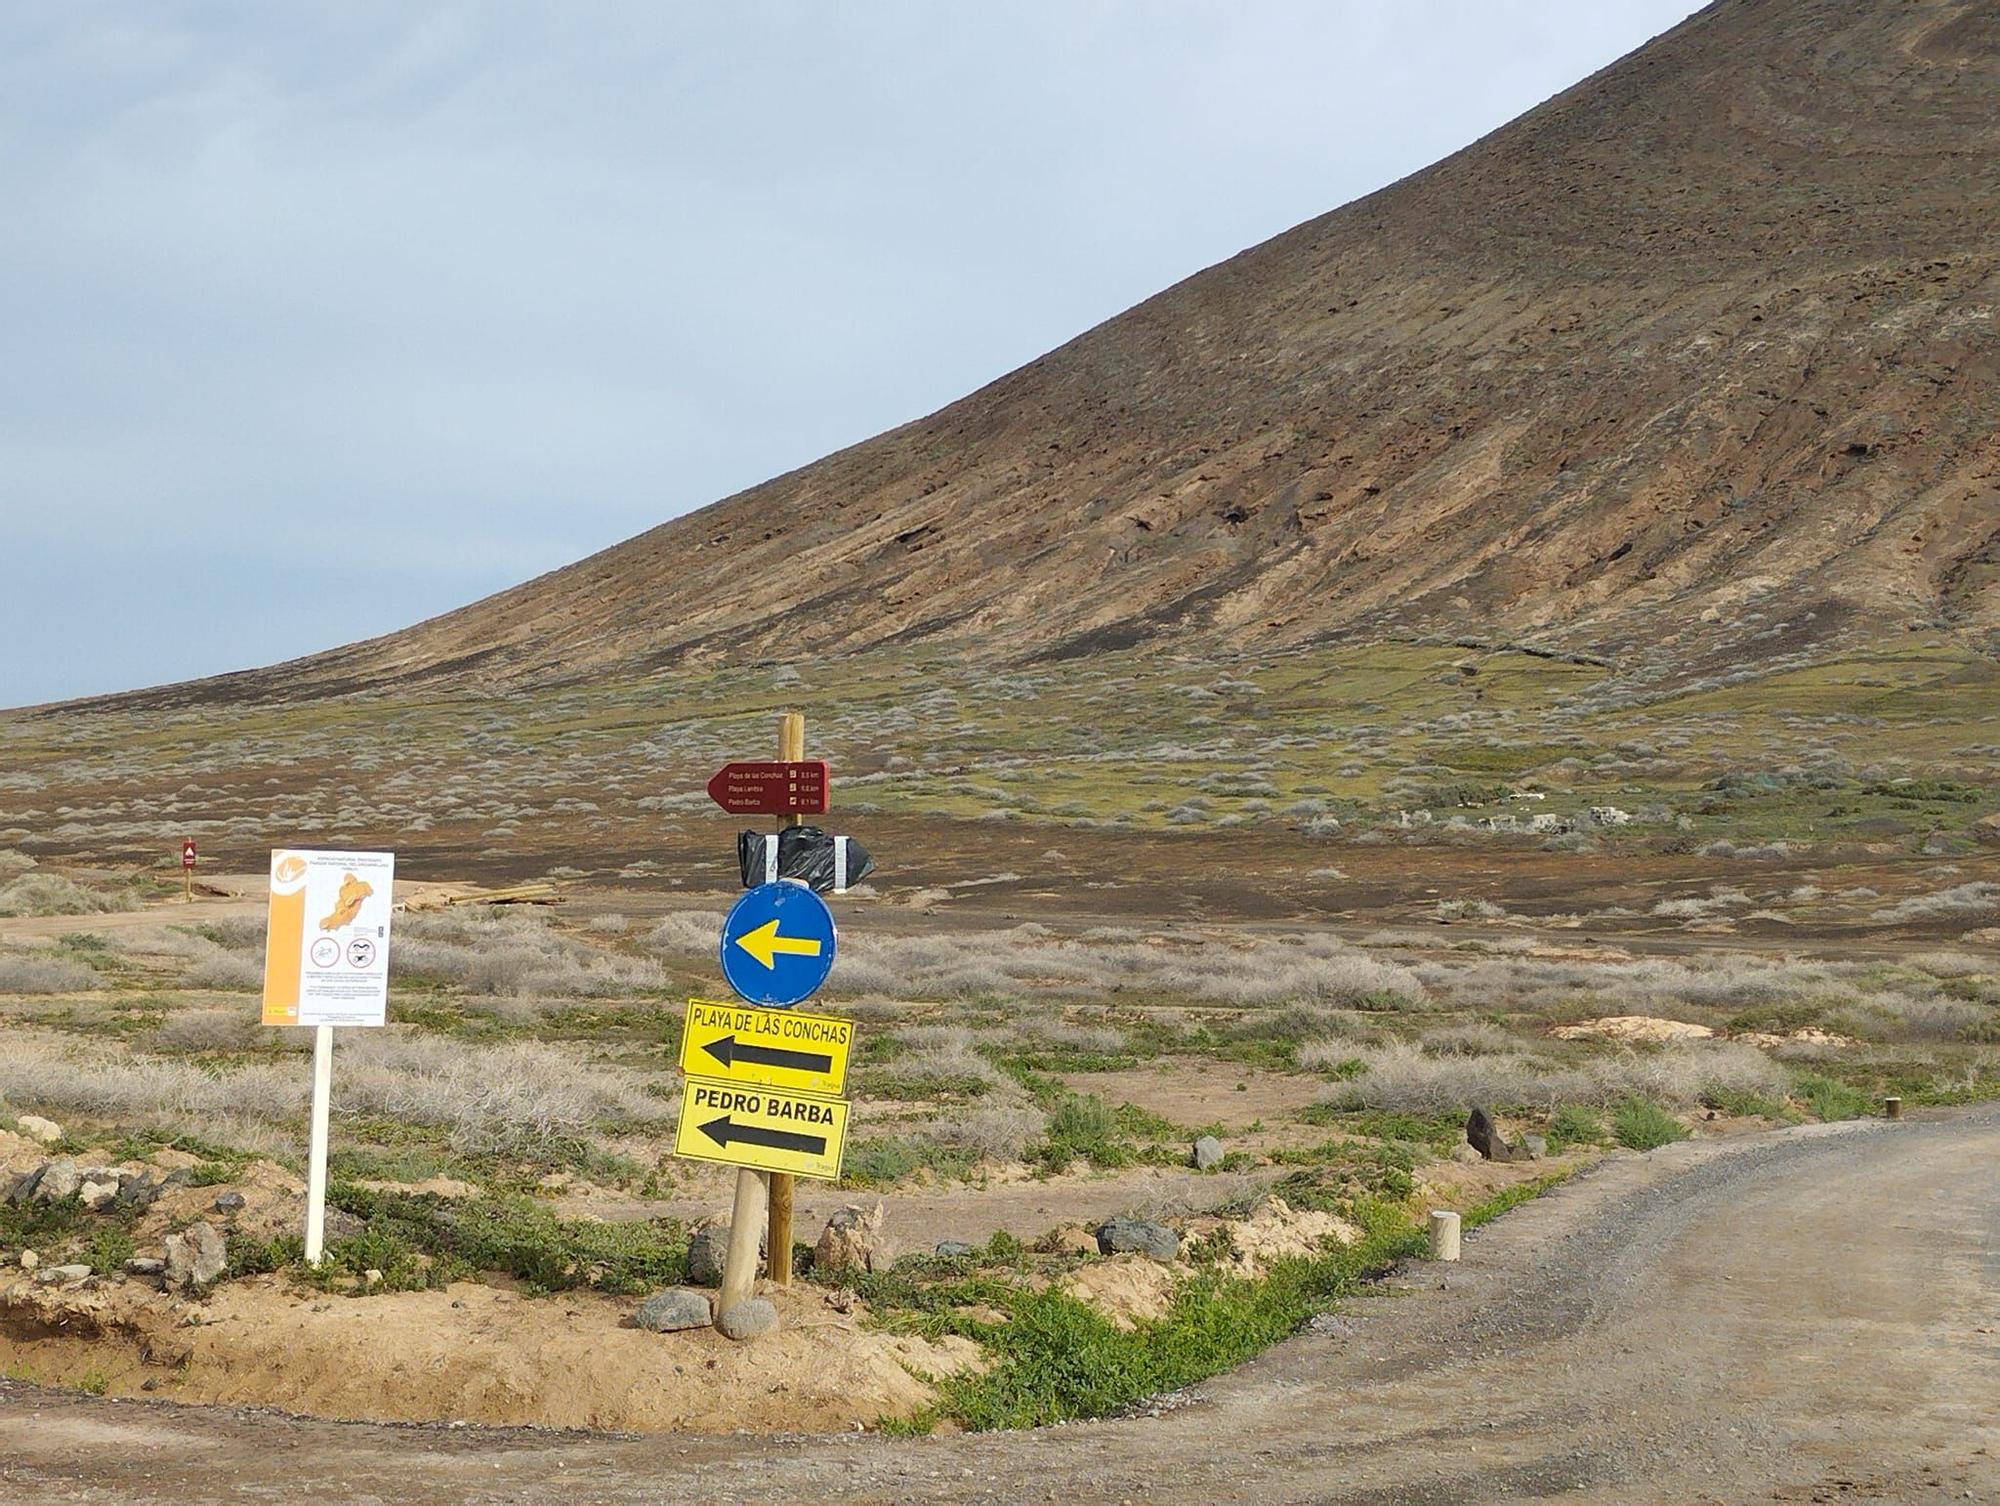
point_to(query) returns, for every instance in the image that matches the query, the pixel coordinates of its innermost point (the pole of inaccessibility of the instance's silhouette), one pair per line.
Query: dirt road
(1809, 1316)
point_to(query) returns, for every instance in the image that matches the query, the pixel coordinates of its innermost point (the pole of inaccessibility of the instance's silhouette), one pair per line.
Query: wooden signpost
(762, 1084)
(187, 867)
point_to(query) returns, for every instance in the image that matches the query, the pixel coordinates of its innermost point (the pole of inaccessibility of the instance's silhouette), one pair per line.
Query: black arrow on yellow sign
(725, 1129)
(728, 1050)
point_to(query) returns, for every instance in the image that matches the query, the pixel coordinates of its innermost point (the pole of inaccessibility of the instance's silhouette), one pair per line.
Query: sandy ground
(1804, 1316)
(472, 1351)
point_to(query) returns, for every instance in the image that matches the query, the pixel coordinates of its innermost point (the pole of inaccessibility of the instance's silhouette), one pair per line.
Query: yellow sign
(764, 1128)
(779, 1047)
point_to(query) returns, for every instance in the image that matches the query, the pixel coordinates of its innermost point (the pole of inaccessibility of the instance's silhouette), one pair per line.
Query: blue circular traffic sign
(777, 944)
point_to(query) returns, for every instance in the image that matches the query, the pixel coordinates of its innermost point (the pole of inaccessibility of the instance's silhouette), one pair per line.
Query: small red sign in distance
(187, 854)
(772, 788)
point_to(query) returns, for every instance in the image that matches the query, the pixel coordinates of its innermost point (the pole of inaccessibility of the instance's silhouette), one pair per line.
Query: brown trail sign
(772, 787)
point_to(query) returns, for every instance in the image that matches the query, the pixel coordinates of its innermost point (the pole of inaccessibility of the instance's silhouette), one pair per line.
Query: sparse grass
(1573, 1125)
(425, 1240)
(1828, 1099)
(1640, 1124)
(1083, 1128)
(1510, 1198)
(886, 1160)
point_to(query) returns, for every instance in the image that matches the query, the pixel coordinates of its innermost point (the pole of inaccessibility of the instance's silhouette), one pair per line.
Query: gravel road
(1798, 1317)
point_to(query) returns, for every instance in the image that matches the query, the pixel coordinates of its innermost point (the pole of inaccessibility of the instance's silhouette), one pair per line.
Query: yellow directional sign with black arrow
(765, 1128)
(781, 1048)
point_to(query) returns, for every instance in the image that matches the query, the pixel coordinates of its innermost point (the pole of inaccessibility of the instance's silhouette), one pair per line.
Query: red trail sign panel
(772, 788)
(187, 854)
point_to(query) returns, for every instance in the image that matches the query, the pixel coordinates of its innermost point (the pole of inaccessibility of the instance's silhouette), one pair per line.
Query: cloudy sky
(321, 318)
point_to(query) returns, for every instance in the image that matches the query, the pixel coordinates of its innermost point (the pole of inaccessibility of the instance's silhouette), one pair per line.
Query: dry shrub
(33, 974)
(514, 956)
(513, 1097)
(13, 864)
(38, 893)
(207, 1030)
(239, 933)
(1403, 1077)
(1952, 964)
(948, 1067)
(1010, 964)
(687, 933)
(209, 965)
(1055, 1031)
(225, 971)
(991, 1131)
(1957, 901)
(1888, 1018)
(58, 1076)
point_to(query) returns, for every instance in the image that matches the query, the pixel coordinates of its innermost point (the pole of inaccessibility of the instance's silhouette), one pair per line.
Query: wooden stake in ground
(791, 749)
(760, 1195)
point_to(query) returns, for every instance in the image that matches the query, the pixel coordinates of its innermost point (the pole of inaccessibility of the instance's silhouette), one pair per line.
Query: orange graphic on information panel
(348, 905)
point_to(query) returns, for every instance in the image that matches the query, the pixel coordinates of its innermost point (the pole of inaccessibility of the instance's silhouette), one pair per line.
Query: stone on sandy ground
(58, 1275)
(35, 1127)
(1069, 1239)
(1465, 1155)
(1536, 1146)
(1483, 1135)
(1137, 1236)
(1207, 1153)
(196, 1258)
(953, 1249)
(98, 1191)
(145, 1265)
(230, 1202)
(674, 1309)
(751, 1318)
(59, 1179)
(708, 1252)
(29, 1260)
(853, 1241)
(708, 1248)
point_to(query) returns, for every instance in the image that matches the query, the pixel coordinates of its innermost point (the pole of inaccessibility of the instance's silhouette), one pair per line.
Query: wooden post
(746, 1221)
(791, 749)
(1892, 1108)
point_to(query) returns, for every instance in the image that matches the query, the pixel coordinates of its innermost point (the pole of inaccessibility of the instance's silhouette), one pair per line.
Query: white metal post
(322, 1100)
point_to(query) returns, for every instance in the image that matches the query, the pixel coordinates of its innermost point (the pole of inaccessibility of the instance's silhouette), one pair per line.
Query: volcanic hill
(1698, 358)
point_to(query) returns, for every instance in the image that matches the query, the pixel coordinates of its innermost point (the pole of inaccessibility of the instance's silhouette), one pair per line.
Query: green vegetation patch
(1057, 1359)
(1640, 1124)
(418, 1239)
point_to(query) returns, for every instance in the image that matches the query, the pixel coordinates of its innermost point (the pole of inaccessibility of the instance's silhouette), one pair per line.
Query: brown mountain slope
(1711, 333)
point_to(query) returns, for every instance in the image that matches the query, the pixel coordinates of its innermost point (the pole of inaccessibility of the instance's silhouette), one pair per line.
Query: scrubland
(1316, 907)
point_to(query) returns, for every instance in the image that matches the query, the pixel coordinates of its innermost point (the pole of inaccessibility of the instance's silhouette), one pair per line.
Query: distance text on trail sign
(767, 1129)
(782, 1048)
(778, 944)
(795, 787)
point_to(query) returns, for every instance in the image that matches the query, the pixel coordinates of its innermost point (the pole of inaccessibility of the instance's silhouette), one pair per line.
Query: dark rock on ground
(1137, 1236)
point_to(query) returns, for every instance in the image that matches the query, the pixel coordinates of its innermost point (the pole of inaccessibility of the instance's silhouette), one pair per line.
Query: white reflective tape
(770, 860)
(840, 865)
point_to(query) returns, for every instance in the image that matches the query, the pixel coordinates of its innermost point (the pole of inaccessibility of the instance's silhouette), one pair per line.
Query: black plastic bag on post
(805, 853)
